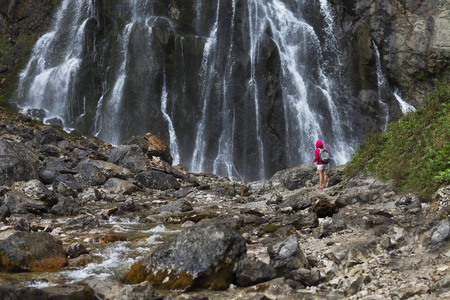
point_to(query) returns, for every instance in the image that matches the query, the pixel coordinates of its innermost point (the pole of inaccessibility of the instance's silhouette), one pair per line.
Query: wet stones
(199, 257)
(76, 249)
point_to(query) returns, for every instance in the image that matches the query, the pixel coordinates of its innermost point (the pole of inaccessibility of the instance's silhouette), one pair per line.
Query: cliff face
(21, 22)
(232, 86)
(413, 38)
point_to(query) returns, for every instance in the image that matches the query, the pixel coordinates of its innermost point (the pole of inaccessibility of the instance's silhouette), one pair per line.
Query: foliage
(414, 152)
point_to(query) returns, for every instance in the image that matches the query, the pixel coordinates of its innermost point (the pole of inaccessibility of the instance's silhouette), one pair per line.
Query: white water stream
(205, 130)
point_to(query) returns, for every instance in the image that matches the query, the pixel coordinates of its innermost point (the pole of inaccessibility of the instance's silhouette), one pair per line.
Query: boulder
(90, 175)
(119, 186)
(307, 277)
(69, 180)
(19, 203)
(153, 146)
(158, 180)
(298, 201)
(107, 169)
(181, 205)
(440, 234)
(48, 135)
(351, 254)
(199, 257)
(251, 272)
(20, 224)
(295, 178)
(287, 255)
(143, 290)
(16, 292)
(76, 249)
(17, 163)
(36, 190)
(30, 251)
(305, 220)
(106, 288)
(130, 157)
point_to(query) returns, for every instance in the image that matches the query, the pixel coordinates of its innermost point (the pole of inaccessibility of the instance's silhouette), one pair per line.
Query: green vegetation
(414, 152)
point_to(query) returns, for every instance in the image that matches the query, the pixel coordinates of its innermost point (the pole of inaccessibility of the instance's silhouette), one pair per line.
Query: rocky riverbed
(85, 220)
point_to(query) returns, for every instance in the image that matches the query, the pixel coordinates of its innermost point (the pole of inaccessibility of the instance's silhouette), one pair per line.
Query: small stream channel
(109, 260)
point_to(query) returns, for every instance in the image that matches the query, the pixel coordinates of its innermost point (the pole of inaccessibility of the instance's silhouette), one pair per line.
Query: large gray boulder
(30, 251)
(158, 180)
(130, 157)
(19, 203)
(251, 272)
(17, 163)
(287, 256)
(107, 169)
(200, 257)
(295, 178)
(67, 291)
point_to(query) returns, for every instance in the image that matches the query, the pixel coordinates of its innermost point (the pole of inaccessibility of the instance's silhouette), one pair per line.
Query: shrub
(414, 152)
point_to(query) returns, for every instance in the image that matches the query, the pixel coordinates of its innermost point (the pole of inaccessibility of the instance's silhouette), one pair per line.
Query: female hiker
(321, 166)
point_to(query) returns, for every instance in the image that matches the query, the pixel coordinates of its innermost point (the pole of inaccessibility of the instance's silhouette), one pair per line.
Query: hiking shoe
(320, 188)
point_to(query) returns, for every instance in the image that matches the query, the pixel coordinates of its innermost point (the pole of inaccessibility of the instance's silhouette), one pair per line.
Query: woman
(321, 166)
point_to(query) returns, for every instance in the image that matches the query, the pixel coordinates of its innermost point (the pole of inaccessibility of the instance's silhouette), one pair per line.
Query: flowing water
(111, 260)
(243, 92)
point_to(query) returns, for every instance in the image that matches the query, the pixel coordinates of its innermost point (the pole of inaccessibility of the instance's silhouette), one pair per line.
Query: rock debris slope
(272, 239)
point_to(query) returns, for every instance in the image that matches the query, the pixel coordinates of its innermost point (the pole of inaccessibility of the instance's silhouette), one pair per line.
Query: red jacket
(319, 145)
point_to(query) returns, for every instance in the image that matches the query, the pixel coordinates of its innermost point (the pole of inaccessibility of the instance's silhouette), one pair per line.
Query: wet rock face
(25, 19)
(199, 257)
(410, 35)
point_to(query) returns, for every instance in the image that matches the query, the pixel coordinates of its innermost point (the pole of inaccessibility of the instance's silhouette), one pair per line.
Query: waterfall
(240, 89)
(382, 84)
(207, 69)
(405, 106)
(173, 142)
(46, 82)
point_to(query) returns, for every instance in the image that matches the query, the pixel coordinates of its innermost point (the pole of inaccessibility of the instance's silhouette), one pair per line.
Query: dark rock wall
(166, 53)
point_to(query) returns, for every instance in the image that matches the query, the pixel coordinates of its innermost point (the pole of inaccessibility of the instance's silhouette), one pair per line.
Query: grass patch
(414, 152)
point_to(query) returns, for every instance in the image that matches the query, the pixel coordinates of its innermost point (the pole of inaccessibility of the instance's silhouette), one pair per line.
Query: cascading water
(382, 84)
(405, 106)
(48, 79)
(239, 89)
